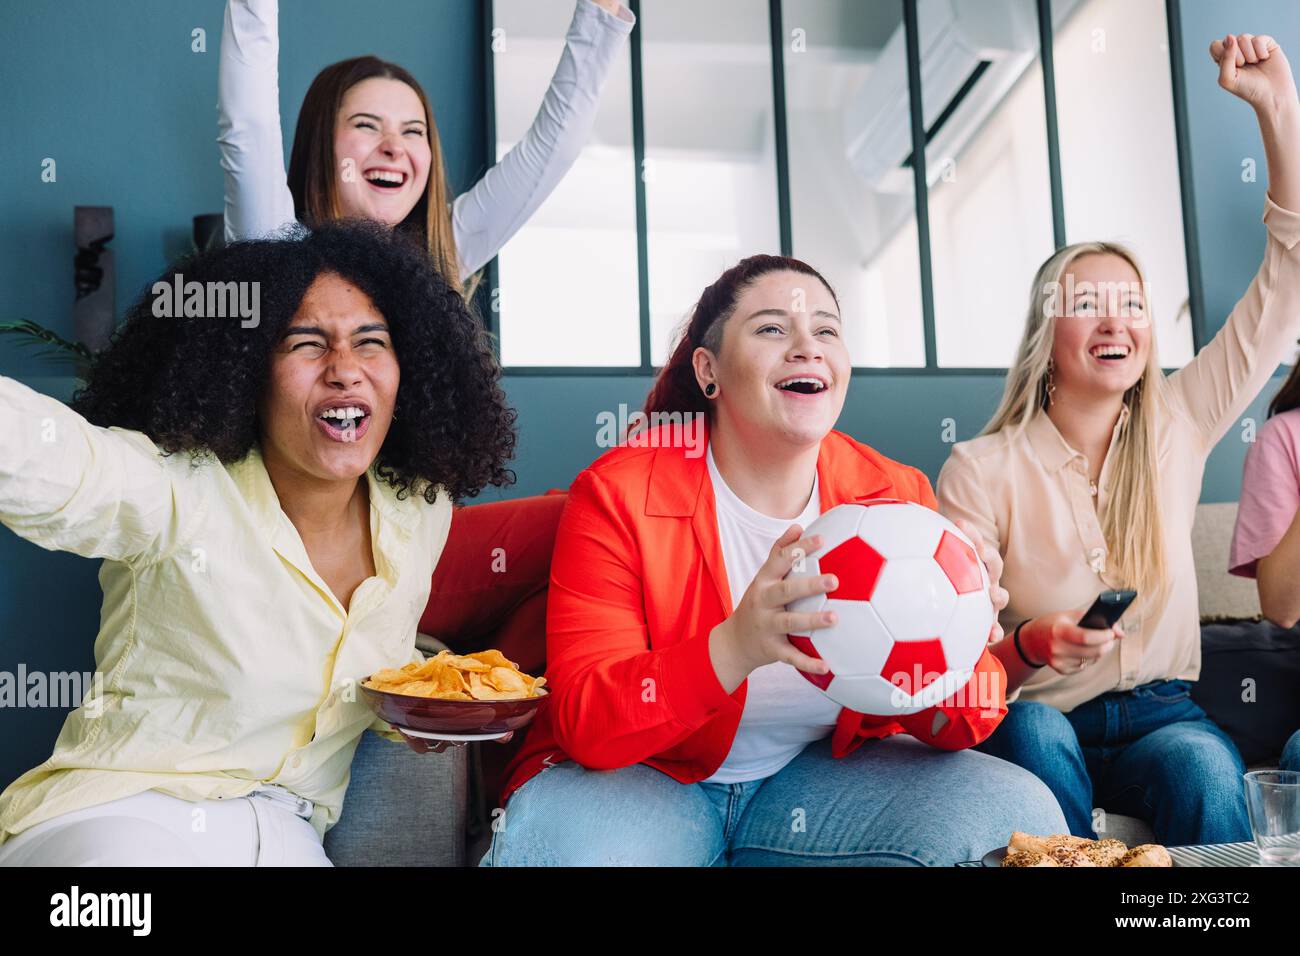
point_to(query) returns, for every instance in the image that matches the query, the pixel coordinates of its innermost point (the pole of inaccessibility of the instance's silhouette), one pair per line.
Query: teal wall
(114, 94)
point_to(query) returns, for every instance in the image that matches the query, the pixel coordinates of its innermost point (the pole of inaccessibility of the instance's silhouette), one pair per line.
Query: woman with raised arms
(1087, 479)
(269, 503)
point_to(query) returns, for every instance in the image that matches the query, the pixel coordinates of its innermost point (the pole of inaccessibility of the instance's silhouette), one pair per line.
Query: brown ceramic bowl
(457, 717)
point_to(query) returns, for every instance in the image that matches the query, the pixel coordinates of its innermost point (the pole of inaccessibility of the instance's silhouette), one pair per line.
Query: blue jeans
(1149, 752)
(1291, 754)
(892, 802)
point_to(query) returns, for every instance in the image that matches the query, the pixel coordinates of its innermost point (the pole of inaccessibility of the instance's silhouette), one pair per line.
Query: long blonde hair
(1131, 519)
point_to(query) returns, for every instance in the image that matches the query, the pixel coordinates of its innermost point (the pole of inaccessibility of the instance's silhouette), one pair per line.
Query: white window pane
(1119, 155)
(990, 198)
(568, 278)
(853, 207)
(710, 155)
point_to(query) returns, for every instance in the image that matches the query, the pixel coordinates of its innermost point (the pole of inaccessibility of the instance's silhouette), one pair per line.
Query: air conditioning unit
(971, 54)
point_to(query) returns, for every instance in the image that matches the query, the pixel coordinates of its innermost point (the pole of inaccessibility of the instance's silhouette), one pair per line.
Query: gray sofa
(403, 808)
(408, 809)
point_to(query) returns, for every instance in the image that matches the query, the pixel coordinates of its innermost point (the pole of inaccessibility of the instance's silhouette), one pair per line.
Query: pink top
(1270, 492)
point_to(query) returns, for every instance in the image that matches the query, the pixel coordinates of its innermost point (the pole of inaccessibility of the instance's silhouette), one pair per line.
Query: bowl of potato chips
(481, 696)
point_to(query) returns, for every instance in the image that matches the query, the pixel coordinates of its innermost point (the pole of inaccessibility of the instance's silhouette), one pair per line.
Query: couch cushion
(402, 808)
(1221, 595)
(1134, 832)
(1260, 662)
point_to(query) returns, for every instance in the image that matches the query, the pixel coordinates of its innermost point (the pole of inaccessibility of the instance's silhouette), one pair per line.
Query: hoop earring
(1051, 382)
(711, 389)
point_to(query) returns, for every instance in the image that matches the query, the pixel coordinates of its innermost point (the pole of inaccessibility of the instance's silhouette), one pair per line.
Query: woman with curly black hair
(266, 463)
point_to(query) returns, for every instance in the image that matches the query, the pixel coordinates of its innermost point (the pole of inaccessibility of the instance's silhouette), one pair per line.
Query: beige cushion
(1221, 594)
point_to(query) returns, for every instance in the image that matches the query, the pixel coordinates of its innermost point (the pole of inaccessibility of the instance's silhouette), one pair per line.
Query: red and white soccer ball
(913, 608)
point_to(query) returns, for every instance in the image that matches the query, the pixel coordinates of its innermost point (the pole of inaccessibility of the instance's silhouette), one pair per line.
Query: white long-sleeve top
(258, 201)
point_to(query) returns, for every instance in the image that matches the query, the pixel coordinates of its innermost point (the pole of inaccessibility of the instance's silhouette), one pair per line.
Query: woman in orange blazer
(678, 730)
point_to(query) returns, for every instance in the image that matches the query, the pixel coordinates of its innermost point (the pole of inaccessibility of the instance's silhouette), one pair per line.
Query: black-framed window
(792, 126)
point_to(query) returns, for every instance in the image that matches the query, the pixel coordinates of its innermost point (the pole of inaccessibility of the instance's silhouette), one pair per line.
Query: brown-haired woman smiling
(366, 146)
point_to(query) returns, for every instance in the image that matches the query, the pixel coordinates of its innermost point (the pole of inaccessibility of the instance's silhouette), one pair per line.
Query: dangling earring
(711, 389)
(1051, 382)
(1134, 395)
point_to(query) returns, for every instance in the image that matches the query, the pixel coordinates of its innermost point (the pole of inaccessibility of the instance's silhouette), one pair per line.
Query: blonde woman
(1087, 477)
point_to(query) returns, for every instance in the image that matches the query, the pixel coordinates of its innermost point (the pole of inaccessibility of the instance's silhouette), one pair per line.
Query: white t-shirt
(783, 711)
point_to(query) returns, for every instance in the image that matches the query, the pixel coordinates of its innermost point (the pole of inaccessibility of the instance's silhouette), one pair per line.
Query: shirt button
(295, 762)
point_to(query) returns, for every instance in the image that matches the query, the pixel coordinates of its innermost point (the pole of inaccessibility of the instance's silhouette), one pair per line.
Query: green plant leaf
(50, 344)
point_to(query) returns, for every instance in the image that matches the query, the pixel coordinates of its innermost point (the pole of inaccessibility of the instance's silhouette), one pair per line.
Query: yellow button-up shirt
(1028, 491)
(226, 661)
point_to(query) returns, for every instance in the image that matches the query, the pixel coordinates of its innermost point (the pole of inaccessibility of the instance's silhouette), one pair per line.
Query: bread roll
(1028, 858)
(1148, 854)
(1106, 852)
(1036, 844)
(1070, 856)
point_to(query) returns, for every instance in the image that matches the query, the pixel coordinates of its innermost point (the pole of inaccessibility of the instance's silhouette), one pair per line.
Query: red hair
(675, 389)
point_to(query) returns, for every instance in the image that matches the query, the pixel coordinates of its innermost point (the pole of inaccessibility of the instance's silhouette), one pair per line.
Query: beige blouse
(1028, 491)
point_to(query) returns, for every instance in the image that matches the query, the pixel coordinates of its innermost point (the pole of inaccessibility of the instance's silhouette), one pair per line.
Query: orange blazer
(637, 584)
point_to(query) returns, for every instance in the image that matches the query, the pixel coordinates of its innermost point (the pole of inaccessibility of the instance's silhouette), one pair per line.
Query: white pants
(154, 829)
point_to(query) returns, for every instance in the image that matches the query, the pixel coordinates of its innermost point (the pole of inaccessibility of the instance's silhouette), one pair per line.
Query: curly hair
(193, 383)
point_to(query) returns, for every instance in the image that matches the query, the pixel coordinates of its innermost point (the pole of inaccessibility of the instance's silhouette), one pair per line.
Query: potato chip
(484, 675)
(418, 688)
(505, 678)
(466, 663)
(494, 658)
(480, 689)
(448, 680)
(390, 676)
(427, 669)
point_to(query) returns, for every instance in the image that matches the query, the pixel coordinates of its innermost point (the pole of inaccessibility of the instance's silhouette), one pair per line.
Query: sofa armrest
(402, 808)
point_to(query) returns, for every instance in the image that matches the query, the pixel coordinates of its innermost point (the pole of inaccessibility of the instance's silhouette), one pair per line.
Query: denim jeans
(892, 802)
(1291, 754)
(1149, 752)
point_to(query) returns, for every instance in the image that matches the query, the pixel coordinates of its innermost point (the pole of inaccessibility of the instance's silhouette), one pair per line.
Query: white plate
(430, 735)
